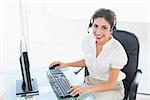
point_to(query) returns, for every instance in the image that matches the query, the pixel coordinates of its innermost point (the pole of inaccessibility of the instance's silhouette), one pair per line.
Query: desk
(45, 90)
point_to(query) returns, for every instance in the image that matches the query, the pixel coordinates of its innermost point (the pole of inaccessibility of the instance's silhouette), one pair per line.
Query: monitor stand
(23, 91)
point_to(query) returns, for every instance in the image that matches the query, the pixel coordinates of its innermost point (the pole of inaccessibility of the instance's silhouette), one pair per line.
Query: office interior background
(54, 30)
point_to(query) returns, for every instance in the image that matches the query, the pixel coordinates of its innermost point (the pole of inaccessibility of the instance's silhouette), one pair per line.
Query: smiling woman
(55, 25)
(104, 56)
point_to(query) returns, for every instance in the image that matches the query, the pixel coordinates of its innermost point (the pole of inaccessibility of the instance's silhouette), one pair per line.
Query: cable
(78, 70)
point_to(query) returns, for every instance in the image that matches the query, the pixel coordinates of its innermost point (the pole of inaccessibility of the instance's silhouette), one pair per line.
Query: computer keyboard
(59, 83)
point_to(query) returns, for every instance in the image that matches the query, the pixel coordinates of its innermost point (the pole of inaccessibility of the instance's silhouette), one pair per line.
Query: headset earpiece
(112, 27)
(114, 23)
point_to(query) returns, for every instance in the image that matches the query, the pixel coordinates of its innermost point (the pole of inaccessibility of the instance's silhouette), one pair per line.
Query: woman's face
(101, 30)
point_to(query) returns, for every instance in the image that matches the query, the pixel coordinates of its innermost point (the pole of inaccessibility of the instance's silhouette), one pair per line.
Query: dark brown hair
(109, 16)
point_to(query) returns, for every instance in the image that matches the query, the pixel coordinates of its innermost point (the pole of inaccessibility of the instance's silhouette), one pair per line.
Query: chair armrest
(134, 85)
(86, 72)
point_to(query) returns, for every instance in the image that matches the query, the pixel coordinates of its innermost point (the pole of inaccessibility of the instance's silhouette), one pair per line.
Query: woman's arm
(110, 84)
(79, 63)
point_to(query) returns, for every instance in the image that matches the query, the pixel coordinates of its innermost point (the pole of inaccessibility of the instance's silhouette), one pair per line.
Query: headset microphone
(90, 25)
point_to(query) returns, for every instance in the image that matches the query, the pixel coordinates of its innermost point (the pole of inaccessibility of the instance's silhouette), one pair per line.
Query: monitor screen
(24, 62)
(27, 85)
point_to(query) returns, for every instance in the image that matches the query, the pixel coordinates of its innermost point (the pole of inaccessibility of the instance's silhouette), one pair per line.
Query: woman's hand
(81, 90)
(59, 64)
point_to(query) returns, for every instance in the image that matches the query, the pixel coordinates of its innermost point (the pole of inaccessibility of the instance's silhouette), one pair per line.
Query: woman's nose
(98, 31)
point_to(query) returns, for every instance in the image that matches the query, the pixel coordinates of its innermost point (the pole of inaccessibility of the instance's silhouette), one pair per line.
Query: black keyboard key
(59, 82)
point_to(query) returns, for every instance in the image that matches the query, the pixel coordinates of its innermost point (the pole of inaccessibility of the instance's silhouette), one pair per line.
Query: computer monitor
(26, 86)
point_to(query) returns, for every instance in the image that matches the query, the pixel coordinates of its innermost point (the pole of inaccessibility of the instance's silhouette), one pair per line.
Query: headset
(113, 27)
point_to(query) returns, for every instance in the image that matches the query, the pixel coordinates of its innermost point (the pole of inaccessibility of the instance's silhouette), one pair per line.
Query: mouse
(53, 67)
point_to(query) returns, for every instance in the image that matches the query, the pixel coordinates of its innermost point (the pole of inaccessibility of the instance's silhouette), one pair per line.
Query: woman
(104, 57)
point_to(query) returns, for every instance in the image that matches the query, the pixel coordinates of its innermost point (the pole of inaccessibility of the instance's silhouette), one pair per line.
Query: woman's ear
(111, 31)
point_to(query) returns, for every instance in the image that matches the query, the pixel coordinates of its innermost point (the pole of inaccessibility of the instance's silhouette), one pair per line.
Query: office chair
(131, 45)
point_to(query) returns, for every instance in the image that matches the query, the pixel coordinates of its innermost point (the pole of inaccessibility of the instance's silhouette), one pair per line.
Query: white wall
(56, 28)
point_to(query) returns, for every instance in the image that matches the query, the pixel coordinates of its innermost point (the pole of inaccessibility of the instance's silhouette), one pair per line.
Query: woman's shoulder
(116, 44)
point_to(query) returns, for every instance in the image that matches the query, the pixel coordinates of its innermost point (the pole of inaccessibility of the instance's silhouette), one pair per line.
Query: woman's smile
(98, 36)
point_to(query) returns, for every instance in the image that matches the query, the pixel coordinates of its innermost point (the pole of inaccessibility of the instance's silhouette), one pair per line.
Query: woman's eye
(95, 26)
(104, 28)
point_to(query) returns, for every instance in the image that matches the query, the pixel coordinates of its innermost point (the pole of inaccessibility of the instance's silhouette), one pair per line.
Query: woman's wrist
(92, 88)
(66, 64)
